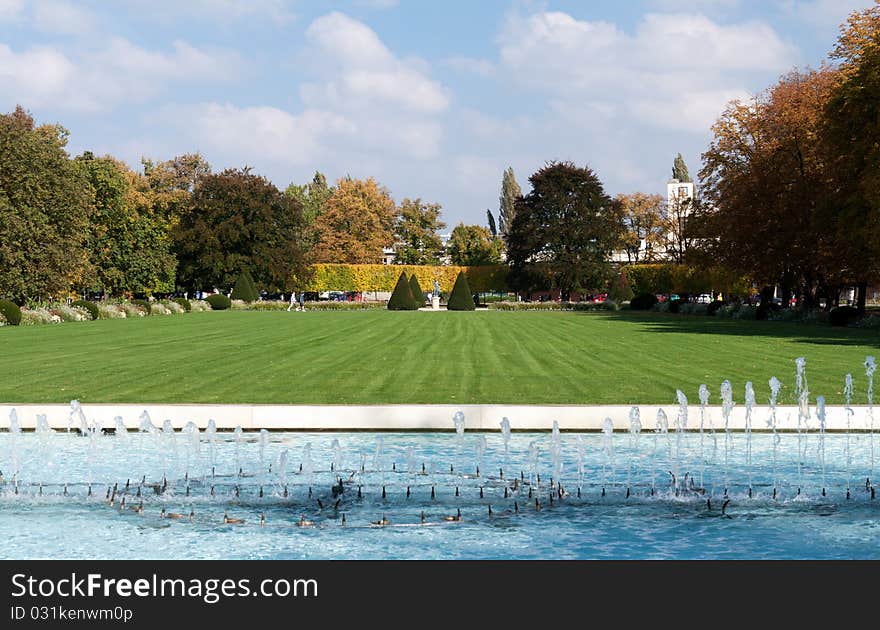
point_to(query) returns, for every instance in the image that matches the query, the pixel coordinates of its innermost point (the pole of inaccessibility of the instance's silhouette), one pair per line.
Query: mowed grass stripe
(381, 357)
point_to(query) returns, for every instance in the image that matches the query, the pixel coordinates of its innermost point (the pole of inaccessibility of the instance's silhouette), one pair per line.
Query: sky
(433, 99)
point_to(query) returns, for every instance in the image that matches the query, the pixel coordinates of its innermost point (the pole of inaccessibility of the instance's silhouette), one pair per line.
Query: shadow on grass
(818, 334)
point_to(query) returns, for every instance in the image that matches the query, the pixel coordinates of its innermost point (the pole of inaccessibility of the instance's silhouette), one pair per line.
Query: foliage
(199, 306)
(144, 304)
(642, 221)
(219, 302)
(473, 246)
(415, 232)
(186, 304)
(461, 298)
(133, 310)
(490, 222)
(364, 278)
(108, 310)
(173, 306)
(563, 232)
(312, 197)
(675, 305)
(91, 307)
(416, 291)
(46, 205)
(607, 305)
(11, 312)
(620, 290)
(157, 308)
(244, 288)
(343, 306)
(401, 298)
(510, 192)
(38, 316)
(643, 302)
(673, 278)
(357, 222)
(238, 220)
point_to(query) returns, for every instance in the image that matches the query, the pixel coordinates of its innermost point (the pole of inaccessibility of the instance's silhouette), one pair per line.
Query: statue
(436, 288)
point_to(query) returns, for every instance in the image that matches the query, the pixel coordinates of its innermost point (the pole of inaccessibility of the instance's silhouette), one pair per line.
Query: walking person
(292, 301)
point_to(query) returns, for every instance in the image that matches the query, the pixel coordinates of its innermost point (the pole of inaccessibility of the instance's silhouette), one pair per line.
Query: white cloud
(675, 71)
(10, 10)
(823, 14)
(120, 72)
(378, 4)
(365, 74)
(219, 11)
(57, 16)
(470, 65)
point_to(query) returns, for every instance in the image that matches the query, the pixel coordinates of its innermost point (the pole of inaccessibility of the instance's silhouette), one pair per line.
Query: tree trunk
(861, 296)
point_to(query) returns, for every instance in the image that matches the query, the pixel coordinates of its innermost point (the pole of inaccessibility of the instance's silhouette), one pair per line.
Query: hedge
(219, 302)
(672, 278)
(91, 307)
(340, 277)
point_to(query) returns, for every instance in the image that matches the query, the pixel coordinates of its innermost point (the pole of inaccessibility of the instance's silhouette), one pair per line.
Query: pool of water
(617, 498)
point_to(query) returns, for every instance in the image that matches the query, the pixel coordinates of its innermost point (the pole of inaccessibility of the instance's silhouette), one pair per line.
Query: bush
(70, 313)
(132, 310)
(461, 298)
(187, 306)
(871, 322)
(110, 311)
(401, 298)
(244, 288)
(842, 315)
(159, 309)
(144, 304)
(675, 306)
(36, 316)
(219, 302)
(620, 290)
(643, 302)
(11, 312)
(240, 305)
(91, 307)
(172, 306)
(416, 290)
(199, 306)
(270, 305)
(333, 305)
(714, 307)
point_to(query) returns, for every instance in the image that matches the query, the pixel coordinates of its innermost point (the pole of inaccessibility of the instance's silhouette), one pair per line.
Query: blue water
(37, 519)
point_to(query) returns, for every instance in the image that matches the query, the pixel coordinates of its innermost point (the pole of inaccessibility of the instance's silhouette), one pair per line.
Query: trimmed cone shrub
(401, 298)
(219, 302)
(11, 312)
(186, 304)
(643, 302)
(417, 294)
(144, 304)
(91, 307)
(244, 288)
(842, 315)
(461, 298)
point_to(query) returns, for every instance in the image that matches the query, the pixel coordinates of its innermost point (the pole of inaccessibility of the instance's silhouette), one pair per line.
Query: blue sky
(434, 99)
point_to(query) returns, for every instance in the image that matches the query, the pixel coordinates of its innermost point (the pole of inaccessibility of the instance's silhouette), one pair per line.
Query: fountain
(608, 449)
(803, 398)
(870, 368)
(750, 404)
(775, 386)
(635, 429)
(726, 408)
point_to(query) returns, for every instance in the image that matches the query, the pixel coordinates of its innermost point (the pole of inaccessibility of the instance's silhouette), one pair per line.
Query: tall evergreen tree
(510, 191)
(493, 229)
(680, 170)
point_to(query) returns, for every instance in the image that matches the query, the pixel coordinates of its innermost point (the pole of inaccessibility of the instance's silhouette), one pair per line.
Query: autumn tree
(237, 222)
(643, 236)
(130, 234)
(46, 206)
(510, 192)
(357, 222)
(473, 245)
(853, 139)
(563, 231)
(766, 179)
(415, 233)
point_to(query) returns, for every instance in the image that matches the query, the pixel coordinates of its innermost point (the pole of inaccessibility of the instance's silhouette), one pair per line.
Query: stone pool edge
(436, 417)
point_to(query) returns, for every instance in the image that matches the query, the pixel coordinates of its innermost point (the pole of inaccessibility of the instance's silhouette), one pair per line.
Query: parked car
(704, 298)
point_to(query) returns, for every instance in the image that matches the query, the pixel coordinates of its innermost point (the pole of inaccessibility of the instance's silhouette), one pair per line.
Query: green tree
(312, 196)
(131, 237)
(239, 220)
(461, 299)
(473, 245)
(564, 231)
(357, 222)
(46, 205)
(415, 232)
(510, 192)
(245, 288)
(490, 221)
(680, 170)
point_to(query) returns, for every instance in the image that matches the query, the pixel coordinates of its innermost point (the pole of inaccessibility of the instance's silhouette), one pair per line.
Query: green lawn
(406, 357)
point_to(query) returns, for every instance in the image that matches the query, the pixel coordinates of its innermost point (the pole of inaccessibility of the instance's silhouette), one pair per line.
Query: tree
(461, 299)
(510, 192)
(563, 232)
(680, 170)
(766, 179)
(490, 220)
(415, 232)
(130, 239)
(46, 205)
(239, 221)
(312, 196)
(472, 246)
(357, 222)
(643, 236)
(245, 288)
(853, 140)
